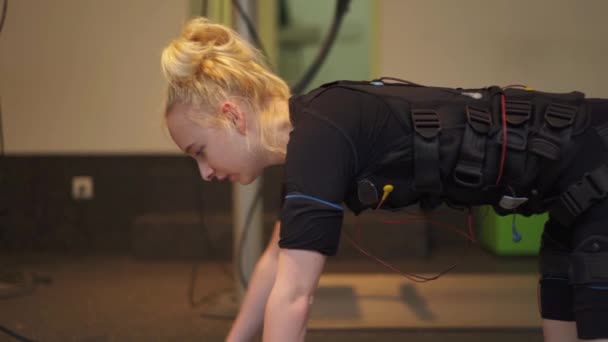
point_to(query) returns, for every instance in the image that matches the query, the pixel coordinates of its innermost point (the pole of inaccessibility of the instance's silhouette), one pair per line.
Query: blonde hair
(210, 63)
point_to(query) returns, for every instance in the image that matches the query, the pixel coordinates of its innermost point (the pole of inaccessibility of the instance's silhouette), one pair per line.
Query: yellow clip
(387, 190)
(529, 88)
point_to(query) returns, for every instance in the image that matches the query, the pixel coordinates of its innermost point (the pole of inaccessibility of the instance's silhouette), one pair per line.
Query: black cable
(239, 257)
(2, 161)
(250, 27)
(14, 334)
(19, 286)
(2, 20)
(284, 17)
(245, 230)
(3, 17)
(195, 267)
(27, 288)
(341, 9)
(243, 237)
(209, 298)
(313, 69)
(1, 132)
(204, 8)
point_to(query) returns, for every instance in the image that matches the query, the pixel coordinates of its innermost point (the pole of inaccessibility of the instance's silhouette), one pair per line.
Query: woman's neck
(283, 127)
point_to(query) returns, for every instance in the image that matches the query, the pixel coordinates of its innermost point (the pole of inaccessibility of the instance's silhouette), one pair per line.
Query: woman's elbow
(272, 250)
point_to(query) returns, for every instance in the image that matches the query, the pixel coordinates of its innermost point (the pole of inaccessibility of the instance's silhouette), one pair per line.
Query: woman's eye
(199, 152)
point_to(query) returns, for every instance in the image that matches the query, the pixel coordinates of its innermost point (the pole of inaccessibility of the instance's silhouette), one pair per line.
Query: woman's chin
(245, 180)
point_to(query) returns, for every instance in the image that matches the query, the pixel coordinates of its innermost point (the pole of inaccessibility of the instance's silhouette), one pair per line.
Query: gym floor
(118, 298)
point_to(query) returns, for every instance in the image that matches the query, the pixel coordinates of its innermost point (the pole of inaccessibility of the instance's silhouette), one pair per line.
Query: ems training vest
(457, 139)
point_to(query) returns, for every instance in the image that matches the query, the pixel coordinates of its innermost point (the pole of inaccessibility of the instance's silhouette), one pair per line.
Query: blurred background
(107, 232)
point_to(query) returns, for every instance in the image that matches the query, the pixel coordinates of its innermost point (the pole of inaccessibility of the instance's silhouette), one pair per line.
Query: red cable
(410, 276)
(437, 223)
(417, 218)
(470, 224)
(470, 236)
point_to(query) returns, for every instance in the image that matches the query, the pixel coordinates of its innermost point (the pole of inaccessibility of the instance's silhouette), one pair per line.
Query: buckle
(581, 195)
(593, 187)
(426, 123)
(469, 176)
(560, 115)
(479, 119)
(518, 112)
(595, 183)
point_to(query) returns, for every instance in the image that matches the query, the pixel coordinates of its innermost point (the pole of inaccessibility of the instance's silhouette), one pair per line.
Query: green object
(495, 232)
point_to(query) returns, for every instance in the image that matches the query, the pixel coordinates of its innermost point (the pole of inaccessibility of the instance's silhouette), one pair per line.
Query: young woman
(354, 142)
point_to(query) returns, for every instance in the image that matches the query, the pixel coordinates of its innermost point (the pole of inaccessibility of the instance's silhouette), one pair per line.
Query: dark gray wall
(167, 199)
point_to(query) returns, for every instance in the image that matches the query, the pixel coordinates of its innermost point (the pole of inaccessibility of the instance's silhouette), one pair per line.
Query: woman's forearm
(288, 307)
(251, 314)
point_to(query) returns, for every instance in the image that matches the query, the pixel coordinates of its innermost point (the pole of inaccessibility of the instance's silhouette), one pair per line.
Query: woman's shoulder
(345, 107)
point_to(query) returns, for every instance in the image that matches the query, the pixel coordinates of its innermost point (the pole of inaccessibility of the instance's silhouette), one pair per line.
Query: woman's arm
(288, 307)
(251, 315)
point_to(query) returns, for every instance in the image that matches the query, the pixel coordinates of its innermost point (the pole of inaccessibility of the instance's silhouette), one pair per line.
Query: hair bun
(201, 30)
(193, 52)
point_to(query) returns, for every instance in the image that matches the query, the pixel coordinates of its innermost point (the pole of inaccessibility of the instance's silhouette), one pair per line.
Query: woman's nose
(205, 170)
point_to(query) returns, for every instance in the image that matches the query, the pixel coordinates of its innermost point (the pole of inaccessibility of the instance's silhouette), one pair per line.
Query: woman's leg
(589, 273)
(589, 258)
(556, 301)
(574, 259)
(559, 331)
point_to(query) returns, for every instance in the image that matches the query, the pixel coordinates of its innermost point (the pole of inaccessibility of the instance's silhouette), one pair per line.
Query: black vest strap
(518, 114)
(580, 196)
(469, 169)
(555, 132)
(588, 268)
(553, 264)
(426, 151)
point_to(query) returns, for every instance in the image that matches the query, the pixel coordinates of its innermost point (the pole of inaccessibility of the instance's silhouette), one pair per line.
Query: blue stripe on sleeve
(335, 206)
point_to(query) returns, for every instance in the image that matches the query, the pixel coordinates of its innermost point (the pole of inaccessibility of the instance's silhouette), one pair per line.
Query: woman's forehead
(181, 127)
(179, 108)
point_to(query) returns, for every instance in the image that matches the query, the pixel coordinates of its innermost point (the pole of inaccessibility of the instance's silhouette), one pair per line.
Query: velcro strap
(588, 268)
(602, 131)
(554, 264)
(426, 151)
(469, 169)
(580, 196)
(555, 132)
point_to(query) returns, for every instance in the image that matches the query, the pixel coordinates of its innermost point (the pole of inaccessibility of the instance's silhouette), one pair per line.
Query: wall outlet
(82, 187)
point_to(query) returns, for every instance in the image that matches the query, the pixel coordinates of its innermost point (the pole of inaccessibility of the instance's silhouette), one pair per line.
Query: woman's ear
(236, 116)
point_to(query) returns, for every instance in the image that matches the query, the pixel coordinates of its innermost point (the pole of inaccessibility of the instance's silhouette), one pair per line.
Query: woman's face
(220, 153)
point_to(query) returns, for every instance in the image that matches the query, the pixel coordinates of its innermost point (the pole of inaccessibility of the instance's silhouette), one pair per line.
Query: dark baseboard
(38, 213)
